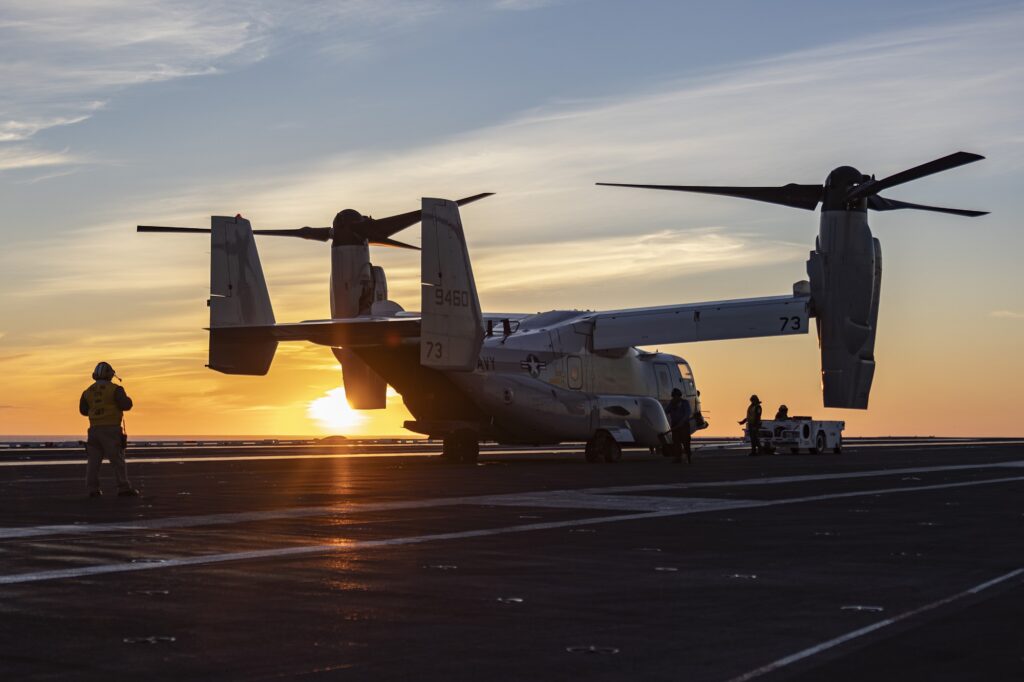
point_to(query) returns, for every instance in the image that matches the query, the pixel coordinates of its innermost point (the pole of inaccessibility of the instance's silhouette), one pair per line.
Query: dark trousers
(105, 443)
(754, 430)
(681, 442)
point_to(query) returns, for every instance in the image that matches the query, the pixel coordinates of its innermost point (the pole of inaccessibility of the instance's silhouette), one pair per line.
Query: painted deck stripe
(805, 478)
(434, 453)
(842, 639)
(707, 484)
(332, 548)
(346, 545)
(550, 497)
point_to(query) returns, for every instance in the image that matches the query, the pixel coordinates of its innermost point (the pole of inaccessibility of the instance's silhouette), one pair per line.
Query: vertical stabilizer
(239, 301)
(452, 329)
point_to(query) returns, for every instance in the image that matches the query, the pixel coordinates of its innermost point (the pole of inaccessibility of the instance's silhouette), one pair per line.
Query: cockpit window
(689, 387)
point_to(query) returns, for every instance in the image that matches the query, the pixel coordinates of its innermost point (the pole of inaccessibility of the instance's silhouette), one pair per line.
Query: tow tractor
(800, 433)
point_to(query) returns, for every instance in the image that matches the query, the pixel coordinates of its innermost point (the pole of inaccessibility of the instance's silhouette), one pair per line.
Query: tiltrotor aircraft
(562, 375)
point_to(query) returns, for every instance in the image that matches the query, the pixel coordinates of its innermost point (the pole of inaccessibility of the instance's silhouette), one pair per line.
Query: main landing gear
(603, 446)
(461, 446)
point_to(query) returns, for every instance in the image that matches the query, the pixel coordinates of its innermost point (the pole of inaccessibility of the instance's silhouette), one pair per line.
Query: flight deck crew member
(782, 414)
(105, 404)
(679, 412)
(753, 422)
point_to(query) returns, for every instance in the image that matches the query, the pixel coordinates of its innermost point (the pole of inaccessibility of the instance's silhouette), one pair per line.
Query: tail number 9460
(455, 298)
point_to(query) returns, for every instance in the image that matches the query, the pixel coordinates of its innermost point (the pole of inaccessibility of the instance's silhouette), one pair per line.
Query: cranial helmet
(754, 399)
(676, 393)
(103, 372)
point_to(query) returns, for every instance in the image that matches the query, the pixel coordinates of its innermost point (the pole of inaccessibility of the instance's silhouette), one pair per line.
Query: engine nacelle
(380, 285)
(846, 274)
(356, 285)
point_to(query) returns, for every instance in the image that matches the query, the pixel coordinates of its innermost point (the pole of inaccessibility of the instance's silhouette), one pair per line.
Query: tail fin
(239, 301)
(452, 328)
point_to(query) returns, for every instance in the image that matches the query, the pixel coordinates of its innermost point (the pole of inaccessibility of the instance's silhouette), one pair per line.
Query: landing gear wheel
(449, 450)
(819, 443)
(603, 446)
(471, 451)
(590, 453)
(461, 446)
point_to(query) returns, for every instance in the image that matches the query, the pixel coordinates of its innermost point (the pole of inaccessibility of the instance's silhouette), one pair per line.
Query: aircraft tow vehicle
(800, 434)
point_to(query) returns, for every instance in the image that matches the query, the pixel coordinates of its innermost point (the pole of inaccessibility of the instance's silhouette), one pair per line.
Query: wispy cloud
(522, 5)
(1008, 314)
(758, 123)
(21, 156)
(60, 62)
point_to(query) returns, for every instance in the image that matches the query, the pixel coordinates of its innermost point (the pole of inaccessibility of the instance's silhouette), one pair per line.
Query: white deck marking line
(345, 545)
(246, 458)
(842, 639)
(317, 549)
(575, 499)
(302, 512)
(668, 486)
(773, 480)
(556, 450)
(559, 499)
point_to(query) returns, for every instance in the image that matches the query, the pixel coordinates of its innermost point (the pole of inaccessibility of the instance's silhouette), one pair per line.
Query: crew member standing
(753, 422)
(679, 412)
(105, 404)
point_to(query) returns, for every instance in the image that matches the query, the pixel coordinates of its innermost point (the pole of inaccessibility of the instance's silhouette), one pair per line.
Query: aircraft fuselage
(542, 383)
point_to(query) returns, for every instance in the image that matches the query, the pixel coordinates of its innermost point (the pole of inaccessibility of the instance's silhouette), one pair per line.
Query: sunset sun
(332, 413)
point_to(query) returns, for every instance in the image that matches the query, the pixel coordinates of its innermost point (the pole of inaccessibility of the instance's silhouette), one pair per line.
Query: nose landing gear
(461, 446)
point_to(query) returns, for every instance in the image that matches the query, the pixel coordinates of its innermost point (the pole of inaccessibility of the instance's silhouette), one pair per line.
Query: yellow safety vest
(103, 410)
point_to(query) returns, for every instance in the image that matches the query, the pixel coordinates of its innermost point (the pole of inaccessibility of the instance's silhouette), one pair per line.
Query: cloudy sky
(156, 112)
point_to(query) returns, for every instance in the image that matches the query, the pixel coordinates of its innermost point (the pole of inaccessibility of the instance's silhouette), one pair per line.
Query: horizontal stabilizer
(353, 332)
(240, 354)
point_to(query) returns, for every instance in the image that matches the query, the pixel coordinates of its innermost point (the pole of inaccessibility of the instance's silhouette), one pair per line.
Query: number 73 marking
(790, 324)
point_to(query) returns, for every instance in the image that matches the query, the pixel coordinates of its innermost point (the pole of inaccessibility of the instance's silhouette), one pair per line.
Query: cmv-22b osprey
(562, 375)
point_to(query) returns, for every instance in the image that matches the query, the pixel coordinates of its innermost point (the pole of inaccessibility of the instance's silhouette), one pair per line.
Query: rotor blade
(877, 203)
(796, 196)
(388, 241)
(319, 234)
(382, 228)
(937, 166)
(156, 228)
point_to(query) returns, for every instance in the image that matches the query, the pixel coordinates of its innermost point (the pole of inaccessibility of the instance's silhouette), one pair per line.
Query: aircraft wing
(713, 321)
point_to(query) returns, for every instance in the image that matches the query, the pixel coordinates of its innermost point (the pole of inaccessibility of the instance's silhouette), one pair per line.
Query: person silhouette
(105, 404)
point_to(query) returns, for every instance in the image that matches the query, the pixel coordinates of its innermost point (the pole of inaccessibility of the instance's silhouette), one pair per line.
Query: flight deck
(898, 559)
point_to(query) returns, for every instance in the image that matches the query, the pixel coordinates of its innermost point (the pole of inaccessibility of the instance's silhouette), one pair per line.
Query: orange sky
(933, 378)
(78, 285)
